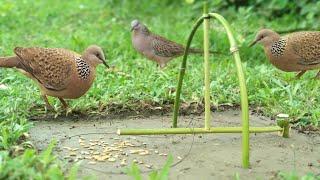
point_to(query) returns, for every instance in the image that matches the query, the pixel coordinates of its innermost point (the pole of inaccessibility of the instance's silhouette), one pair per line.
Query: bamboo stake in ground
(207, 114)
(285, 124)
(182, 72)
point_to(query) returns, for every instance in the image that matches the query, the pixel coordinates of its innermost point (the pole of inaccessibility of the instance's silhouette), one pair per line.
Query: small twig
(83, 134)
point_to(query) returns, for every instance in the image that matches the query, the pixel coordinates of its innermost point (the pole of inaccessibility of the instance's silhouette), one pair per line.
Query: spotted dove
(59, 72)
(294, 52)
(155, 47)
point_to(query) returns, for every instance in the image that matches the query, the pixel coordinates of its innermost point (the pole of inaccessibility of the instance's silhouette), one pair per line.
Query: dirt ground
(105, 155)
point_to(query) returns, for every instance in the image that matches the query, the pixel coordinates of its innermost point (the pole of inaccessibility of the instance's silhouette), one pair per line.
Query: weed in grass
(29, 165)
(293, 175)
(163, 174)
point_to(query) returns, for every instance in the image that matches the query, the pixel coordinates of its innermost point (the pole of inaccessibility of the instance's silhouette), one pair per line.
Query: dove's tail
(9, 62)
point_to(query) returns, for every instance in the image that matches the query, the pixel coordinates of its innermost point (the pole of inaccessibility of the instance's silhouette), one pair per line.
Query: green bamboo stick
(182, 72)
(285, 124)
(207, 117)
(243, 90)
(196, 130)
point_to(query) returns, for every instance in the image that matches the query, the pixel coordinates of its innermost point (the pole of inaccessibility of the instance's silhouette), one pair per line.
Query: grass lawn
(77, 24)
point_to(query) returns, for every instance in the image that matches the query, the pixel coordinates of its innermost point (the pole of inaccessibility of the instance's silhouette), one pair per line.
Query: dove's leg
(162, 65)
(48, 106)
(65, 105)
(318, 75)
(300, 74)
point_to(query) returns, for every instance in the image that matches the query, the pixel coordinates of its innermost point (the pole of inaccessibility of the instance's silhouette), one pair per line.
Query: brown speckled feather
(166, 48)
(50, 66)
(307, 46)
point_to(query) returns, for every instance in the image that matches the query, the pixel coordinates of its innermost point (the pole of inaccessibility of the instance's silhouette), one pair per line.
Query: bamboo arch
(245, 129)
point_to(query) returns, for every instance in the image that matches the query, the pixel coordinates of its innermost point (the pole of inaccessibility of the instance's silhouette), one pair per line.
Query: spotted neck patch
(83, 68)
(278, 48)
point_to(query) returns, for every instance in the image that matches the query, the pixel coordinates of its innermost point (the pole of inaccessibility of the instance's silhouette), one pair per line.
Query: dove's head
(265, 37)
(138, 27)
(94, 55)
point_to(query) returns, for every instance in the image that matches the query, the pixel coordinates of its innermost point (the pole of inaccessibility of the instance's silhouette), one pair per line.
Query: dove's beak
(105, 63)
(253, 43)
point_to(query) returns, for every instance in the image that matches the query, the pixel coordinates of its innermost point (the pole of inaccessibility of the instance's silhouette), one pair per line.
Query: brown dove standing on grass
(59, 72)
(155, 47)
(295, 52)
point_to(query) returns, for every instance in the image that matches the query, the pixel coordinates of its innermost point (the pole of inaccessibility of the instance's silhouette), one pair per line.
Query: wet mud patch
(93, 141)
